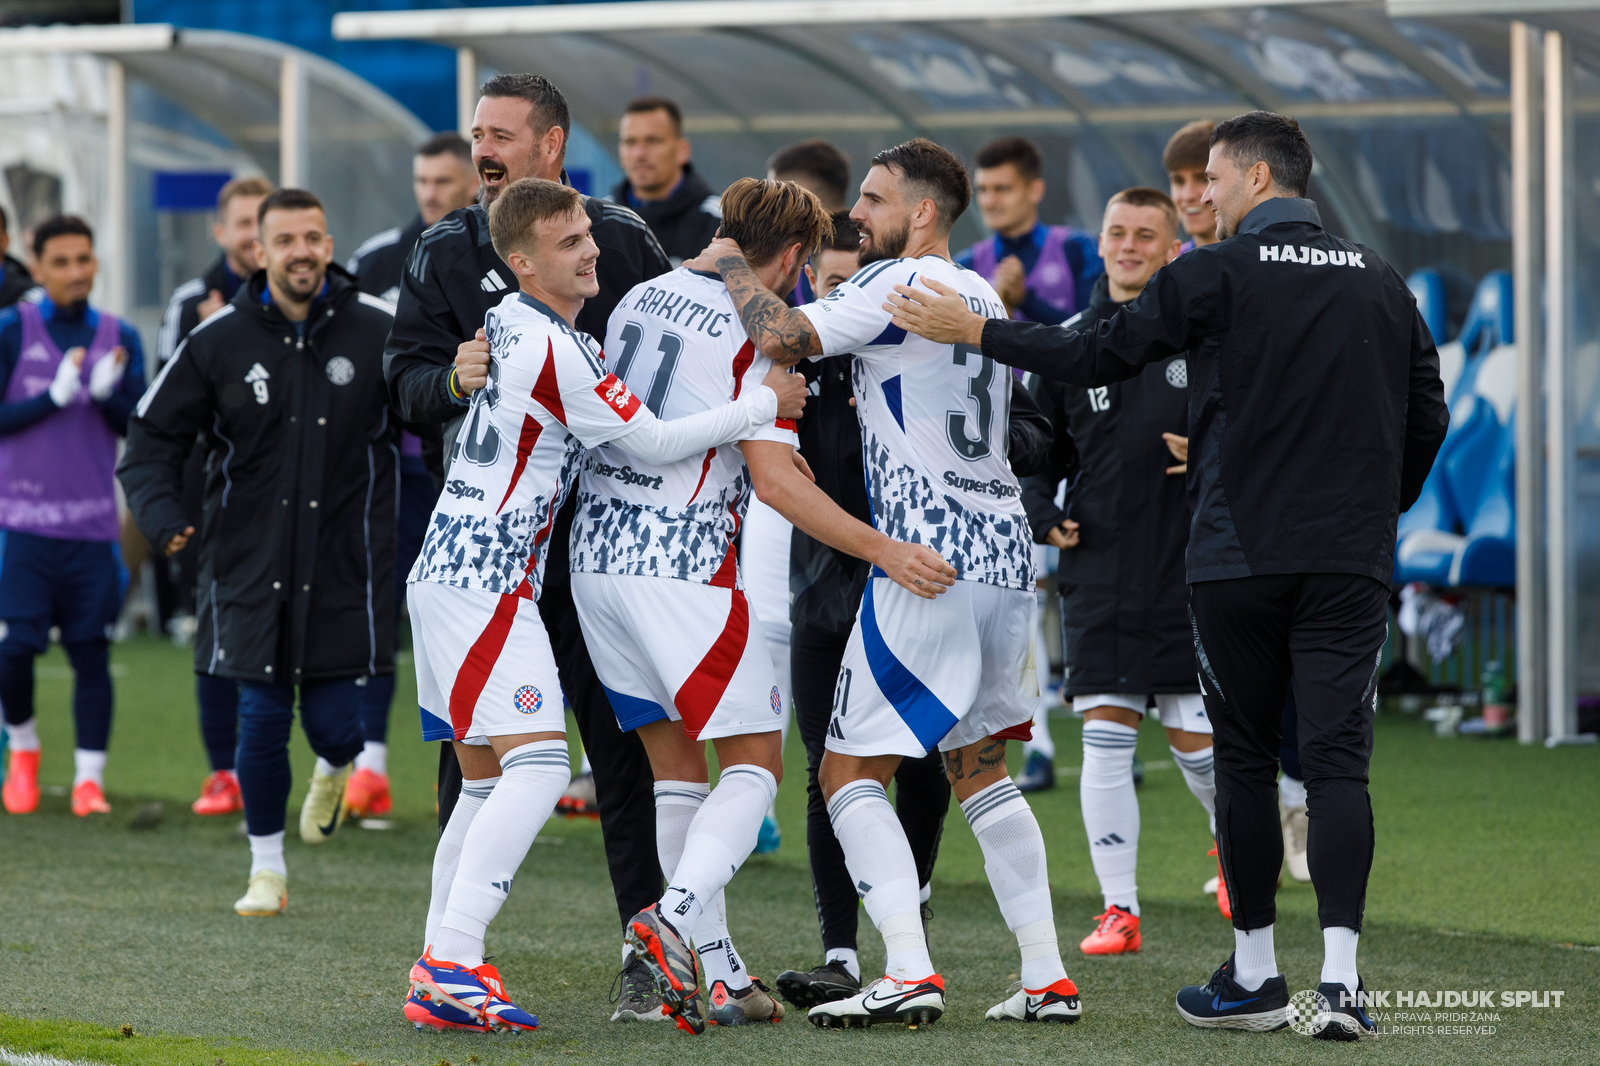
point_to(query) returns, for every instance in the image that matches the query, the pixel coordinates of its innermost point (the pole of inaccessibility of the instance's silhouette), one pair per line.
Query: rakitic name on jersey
(681, 310)
(625, 474)
(993, 487)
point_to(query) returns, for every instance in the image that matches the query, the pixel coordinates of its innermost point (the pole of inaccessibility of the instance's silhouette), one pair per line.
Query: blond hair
(252, 187)
(1143, 196)
(525, 203)
(765, 217)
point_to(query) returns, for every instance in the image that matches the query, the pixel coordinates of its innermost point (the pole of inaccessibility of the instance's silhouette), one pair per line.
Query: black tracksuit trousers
(1252, 635)
(922, 792)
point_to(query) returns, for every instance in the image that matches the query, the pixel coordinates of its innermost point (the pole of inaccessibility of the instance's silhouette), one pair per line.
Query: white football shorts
(670, 649)
(484, 665)
(1185, 710)
(919, 674)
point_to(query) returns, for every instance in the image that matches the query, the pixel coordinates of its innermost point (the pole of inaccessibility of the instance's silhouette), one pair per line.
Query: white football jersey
(548, 398)
(934, 421)
(677, 343)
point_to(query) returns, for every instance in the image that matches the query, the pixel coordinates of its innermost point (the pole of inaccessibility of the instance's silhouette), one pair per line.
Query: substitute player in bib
(656, 543)
(486, 675)
(955, 673)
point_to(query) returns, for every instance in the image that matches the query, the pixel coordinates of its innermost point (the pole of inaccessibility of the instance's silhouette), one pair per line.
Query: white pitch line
(30, 1058)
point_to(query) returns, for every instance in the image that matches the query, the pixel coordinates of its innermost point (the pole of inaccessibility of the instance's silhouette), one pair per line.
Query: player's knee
(89, 656)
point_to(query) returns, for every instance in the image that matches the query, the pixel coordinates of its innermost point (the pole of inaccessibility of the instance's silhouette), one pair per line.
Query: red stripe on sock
(479, 663)
(699, 695)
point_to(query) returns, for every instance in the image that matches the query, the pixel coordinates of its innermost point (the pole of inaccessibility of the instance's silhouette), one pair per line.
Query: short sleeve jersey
(933, 423)
(677, 343)
(549, 398)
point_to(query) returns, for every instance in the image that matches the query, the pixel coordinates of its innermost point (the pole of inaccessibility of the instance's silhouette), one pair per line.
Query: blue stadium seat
(1487, 558)
(1428, 287)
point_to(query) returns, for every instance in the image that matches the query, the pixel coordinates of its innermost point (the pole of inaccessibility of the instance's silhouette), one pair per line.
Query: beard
(304, 290)
(889, 245)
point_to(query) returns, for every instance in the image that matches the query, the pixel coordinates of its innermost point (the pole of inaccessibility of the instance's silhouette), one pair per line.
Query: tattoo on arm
(781, 332)
(952, 764)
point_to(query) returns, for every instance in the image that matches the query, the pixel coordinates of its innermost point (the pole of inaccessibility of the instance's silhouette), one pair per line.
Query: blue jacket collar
(48, 310)
(1280, 209)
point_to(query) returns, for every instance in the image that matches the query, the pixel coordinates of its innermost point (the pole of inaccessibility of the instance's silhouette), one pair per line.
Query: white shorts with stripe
(484, 665)
(679, 650)
(921, 674)
(1177, 710)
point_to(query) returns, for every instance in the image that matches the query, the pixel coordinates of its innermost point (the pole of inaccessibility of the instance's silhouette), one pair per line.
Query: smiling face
(236, 231)
(1135, 242)
(65, 269)
(1187, 187)
(558, 264)
(1008, 203)
(505, 146)
(1232, 190)
(295, 249)
(883, 216)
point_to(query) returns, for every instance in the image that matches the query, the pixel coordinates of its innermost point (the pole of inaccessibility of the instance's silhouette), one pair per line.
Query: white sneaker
(324, 807)
(267, 896)
(887, 999)
(1295, 827)
(1058, 1003)
(1210, 887)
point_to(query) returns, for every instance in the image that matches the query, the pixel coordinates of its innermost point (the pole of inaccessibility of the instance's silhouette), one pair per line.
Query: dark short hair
(1189, 148)
(825, 164)
(643, 105)
(59, 226)
(1270, 138)
(525, 203)
(251, 186)
(937, 173)
(447, 143)
(1144, 196)
(289, 200)
(765, 217)
(845, 238)
(549, 106)
(1018, 151)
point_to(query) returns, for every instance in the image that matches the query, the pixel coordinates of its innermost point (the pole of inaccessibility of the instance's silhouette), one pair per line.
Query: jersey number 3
(955, 422)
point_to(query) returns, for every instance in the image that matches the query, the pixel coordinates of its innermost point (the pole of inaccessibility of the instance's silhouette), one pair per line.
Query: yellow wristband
(451, 383)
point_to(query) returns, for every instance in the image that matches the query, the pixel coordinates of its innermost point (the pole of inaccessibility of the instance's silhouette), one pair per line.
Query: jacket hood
(691, 192)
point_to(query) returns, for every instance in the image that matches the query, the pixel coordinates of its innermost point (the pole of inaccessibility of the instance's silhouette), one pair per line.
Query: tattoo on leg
(952, 764)
(992, 756)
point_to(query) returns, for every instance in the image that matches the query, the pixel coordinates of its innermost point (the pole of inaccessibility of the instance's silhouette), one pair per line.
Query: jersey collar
(48, 310)
(1280, 209)
(543, 308)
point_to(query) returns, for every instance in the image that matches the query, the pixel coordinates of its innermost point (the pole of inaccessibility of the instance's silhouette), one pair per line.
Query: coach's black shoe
(1345, 1018)
(1138, 771)
(1222, 1004)
(807, 988)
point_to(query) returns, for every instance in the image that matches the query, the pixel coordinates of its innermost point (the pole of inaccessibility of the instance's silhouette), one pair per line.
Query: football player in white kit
(486, 677)
(660, 593)
(955, 673)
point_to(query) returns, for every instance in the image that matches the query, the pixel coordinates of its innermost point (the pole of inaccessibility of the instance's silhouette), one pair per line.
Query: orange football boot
(367, 794)
(1118, 932)
(88, 798)
(1222, 889)
(21, 791)
(219, 794)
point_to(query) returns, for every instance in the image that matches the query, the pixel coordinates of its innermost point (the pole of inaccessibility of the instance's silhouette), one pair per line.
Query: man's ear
(521, 264)
(554, 144)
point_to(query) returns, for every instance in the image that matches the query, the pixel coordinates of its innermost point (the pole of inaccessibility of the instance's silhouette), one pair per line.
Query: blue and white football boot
(446, 995)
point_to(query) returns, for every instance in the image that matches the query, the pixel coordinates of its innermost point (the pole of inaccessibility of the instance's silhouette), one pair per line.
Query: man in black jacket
(435, 358)
(14, 277)
(296, 550)
(443, 180)
(1121, 529)
(661, 184)
(1315, 413)
(826, 588)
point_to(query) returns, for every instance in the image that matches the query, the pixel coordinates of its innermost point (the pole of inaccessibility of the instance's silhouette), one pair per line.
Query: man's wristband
(450, 383)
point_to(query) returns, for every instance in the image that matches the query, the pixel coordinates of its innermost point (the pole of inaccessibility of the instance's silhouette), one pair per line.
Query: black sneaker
(1222, 1004)
(1138, 771)
(1345, 1018)
(807, 988)
(634, 993)
(1038, 774)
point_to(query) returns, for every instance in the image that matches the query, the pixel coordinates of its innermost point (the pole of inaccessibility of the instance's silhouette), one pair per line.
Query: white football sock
(374, 756)
(266, 853)
(879, 859)
(88, 766)
(677, 802)
(326, 768)
(846, 956)
(1111, 810)
(23, 736)
(447, 856)
(1041, 741)
(1254, 961)
(584, 767)
(720, 839)
(1292, 791)
(532, 778)
(1339, 956)
(1200, 775)
(1014, 859)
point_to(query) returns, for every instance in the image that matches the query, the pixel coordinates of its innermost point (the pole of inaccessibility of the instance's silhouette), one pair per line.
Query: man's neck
(656, 192)
(1013, 232)
(1118, 294)
(239, 271)
(67, 307)
(926, 242)
(565, 306)
(293, 309)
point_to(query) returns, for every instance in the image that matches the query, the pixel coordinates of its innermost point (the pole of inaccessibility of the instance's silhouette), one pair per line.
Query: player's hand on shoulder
(941, 315)
(917, 569)
(720, 246)
(472, 363)
(791, 390)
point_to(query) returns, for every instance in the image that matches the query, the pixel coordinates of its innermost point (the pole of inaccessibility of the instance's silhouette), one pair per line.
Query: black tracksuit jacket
(297, 538)
(1315, 404)
(684, 222)
(381, 261)
(1124, 603)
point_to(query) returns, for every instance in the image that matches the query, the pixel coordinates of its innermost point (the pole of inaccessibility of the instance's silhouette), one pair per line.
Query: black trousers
(624, 785)
(922, 792)
(1251, 636)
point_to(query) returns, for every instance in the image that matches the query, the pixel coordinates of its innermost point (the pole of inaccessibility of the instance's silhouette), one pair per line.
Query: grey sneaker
(637, 999)
(673, 964)
(751, 1005)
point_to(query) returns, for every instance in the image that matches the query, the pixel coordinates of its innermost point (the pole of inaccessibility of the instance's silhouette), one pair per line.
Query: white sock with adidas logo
(1111, 809)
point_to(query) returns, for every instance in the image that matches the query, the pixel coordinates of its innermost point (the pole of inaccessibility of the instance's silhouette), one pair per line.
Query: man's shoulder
(386, 239)
(456, 234)
(612, 216)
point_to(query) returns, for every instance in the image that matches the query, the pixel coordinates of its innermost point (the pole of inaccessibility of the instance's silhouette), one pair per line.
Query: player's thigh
(613, 610)
(1184, 716)
(88, 589)
(673, 755)
(1008, 688)
(27, 597)
(754, 749)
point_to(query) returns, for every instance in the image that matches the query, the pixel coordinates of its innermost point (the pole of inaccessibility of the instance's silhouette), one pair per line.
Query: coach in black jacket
(1315, 413)
(452, 278)
(297, 551)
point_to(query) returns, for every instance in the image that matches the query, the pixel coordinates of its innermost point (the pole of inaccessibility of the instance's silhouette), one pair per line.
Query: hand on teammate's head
(707, 260)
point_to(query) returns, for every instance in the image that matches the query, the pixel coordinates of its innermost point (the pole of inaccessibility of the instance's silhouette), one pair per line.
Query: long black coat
(298, 538)
(1124, 604)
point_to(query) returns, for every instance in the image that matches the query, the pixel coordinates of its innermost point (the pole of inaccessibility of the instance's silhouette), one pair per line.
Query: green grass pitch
(1486, 873)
